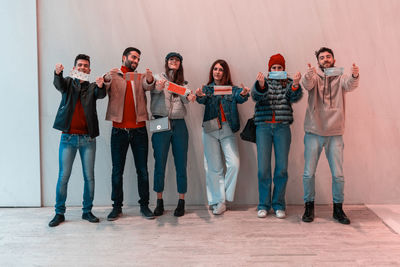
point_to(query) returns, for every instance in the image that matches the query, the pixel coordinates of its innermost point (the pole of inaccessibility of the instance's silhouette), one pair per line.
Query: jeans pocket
(142, 130)
(115, 131)
(65, 138)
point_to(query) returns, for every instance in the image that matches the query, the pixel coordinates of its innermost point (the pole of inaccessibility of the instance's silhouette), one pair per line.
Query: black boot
(180, 209)
(339, 215)
(58, 218)
(146, 212)
(159, 210)
(308, 215)
(114, 214)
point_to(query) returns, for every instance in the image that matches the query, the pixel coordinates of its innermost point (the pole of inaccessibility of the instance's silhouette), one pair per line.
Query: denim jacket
(70, 90)
(229, 105)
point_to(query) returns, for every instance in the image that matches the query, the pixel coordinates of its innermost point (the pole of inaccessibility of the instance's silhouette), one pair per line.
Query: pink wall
(245, 33)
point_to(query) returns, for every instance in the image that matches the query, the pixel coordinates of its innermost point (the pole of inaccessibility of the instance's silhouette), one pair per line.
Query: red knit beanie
(276, 59)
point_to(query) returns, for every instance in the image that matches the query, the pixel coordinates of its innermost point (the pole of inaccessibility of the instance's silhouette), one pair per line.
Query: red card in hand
(177, 89)
(222, 90)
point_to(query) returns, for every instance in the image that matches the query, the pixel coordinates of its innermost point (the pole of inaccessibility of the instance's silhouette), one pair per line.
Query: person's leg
(87, 152)
(231, 153)
(334, 154)
(119, 148)
(161, 143)
(281, 139)
(140, 148)
(313, 145)
(264, 147)
(67, 152)
(180, 142)
(214, 167)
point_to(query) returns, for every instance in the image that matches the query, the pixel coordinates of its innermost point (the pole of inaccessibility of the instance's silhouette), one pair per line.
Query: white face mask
(277, 75)
(79, 75)
(333, 71)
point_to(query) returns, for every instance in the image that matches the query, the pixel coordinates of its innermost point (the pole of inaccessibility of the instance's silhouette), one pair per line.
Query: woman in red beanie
(273, 115)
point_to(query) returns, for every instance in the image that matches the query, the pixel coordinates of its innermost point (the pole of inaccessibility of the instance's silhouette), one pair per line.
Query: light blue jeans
(313, 145)
(220, 186)
(278, 135)
(69, 145)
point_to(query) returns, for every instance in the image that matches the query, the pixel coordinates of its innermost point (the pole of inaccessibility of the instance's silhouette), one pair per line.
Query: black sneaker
(114, 214)
(339, 215)
(88, 216)
(146, 212)
(308, 215)
(180, 209)
(159, 210)
(58, 218)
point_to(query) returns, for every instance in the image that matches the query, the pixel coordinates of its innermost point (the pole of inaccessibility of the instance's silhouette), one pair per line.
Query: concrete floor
(237, 238)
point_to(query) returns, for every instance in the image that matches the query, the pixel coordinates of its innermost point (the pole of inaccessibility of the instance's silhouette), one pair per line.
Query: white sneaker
(219, 208)
(280, 214)
(262, 213)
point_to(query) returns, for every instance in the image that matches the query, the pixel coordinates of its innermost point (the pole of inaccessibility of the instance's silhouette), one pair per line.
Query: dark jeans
(177, 137)
(120, 140)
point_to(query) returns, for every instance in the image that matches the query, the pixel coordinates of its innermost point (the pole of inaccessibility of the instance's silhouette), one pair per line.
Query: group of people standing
(127, 109)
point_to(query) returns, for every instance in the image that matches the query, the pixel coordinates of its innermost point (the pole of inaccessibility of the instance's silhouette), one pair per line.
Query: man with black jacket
(77, 119)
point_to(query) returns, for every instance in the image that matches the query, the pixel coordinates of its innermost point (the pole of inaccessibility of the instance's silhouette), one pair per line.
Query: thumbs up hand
(355, 70)
(310, 71)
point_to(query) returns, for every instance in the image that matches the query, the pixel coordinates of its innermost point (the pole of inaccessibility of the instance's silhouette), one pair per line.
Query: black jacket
(70, 90)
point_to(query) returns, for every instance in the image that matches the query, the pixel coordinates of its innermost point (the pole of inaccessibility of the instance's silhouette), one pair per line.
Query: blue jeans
(69, 145)
(220, 186)
(120, 141)
(279, 135)
(178, 137)
(313, 145)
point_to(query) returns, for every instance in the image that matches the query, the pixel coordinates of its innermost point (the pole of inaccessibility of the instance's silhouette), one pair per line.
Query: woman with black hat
(169, 105)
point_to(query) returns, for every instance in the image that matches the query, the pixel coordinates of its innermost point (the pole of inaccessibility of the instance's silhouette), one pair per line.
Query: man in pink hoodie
(324, 127)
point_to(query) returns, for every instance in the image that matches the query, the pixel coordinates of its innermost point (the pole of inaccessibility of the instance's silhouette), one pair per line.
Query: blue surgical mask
(333, 71)
(277, 75)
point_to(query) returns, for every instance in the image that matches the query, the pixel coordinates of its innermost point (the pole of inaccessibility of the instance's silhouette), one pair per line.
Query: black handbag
(249, 131)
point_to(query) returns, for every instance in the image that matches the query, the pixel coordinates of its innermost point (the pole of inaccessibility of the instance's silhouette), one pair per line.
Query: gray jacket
(164, 103)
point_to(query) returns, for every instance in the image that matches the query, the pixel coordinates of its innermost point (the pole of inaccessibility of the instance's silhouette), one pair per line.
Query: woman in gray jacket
(165, 103)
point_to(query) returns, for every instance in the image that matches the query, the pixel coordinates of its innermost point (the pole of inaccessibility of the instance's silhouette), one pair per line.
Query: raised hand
(310, 71)
(191, 97)
(355, 70)
(160, 84)
(59, 68)
(149, 76)
(199, 92)
(260, 79)
(245, 90)
(114, 71)
(296, 78)
(100, 81)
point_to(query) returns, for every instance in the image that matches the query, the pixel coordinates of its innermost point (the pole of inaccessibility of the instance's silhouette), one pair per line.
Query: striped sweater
(275, 99)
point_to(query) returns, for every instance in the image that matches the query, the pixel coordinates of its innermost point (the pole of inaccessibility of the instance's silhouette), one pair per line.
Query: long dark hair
(226, 77)
(178, 77)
